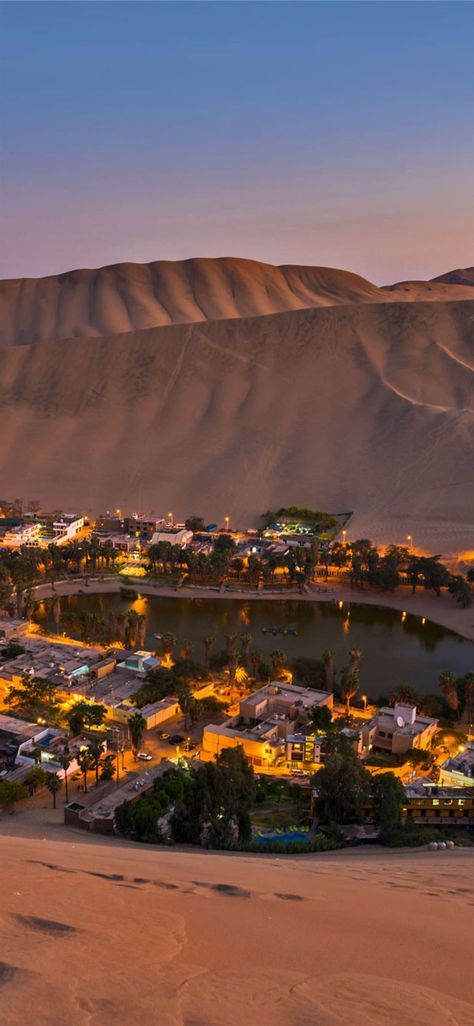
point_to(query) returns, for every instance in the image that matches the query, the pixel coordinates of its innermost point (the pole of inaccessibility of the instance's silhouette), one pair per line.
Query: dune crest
(130, 297)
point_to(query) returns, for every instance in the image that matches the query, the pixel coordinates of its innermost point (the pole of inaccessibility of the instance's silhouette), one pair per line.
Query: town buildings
(398, 730)
(269, 725)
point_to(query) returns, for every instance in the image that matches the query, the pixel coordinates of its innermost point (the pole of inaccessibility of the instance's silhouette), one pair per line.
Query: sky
(335, 134)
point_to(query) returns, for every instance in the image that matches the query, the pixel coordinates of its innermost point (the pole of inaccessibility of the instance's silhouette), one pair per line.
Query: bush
(11, 791)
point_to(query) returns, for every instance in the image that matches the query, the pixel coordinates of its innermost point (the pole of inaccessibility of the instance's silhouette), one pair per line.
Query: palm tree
(328, 659)
(355, 655)
(230, 643)
(141, 629)
(186, 648)
(349, 687)
(137, 727)
(447, 685)
(53, 784)
(208, 642)
(278, 659)
(245, 643)
(255, 660)
(96, 751)
(168, 643)
(56, 609)
(65, 761)
(84, 760)
(404, 694)
(469, 696)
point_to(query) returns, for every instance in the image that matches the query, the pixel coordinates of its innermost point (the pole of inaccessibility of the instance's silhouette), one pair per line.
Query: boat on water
(275, 630)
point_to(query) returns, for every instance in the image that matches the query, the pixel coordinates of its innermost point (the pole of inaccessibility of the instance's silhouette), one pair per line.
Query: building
(66, 527)
(271, 726)
(398, 730)
(428, 803)
(23, 534)
(177, 535)
(10, 629)
(459, 771)
(143, 526)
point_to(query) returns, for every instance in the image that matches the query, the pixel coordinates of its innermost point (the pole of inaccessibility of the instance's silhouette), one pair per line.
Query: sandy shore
(442, 610)
(108, 933)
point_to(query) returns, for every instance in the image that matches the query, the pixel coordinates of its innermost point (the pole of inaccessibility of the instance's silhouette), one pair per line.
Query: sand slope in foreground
(109, 934)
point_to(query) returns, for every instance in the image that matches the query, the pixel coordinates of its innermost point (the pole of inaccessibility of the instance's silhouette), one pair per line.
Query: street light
(226, 519)
(344, 535)
(170, 517)
(364, 699)
(410, 539)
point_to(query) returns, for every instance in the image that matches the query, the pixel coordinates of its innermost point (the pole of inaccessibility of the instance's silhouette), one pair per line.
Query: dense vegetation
(207, 806)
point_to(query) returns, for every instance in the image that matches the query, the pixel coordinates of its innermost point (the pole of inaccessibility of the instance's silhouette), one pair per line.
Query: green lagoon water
(394, 650)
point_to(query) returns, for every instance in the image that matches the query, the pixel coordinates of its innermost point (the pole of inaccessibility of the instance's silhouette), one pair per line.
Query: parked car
(176, 739)
(164, 736)
(299, 773)
(145, 756)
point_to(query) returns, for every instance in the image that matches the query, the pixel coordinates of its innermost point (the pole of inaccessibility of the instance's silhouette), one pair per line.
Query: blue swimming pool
(286, 838)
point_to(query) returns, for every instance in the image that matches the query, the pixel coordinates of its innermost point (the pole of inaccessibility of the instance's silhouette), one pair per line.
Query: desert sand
(128, 297)
(357, 401)
(101, 932)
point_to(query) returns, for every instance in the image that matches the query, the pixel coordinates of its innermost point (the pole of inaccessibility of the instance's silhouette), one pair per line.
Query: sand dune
(364, 407)
(129, 297)
(109, 934)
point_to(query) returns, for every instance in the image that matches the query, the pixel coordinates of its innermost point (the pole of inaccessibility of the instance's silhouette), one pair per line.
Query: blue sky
(322, 133)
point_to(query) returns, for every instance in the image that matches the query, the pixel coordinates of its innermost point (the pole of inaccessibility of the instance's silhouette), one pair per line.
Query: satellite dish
(400, 721)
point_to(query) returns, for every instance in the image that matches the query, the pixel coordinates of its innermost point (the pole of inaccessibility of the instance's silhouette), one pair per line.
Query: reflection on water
(397, 647)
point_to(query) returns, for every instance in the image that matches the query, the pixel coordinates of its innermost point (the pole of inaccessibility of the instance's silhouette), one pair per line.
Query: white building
(24, 534)
(67, 527)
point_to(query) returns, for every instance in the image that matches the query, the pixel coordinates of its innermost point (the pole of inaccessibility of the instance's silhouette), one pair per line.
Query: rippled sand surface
(96, 933)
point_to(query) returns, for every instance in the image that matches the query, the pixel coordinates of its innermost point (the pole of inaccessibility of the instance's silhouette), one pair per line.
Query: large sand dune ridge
(224, 387)
(129, 297)
(357, 407)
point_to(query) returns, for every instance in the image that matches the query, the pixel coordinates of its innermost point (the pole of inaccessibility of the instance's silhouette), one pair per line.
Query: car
(163, 735)
(176, 739)
(299, 773)
(190, 746)
(144, 756)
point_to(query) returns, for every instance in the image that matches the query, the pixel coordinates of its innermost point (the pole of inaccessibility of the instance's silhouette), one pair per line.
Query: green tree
(405, 694)
(53, 783)
(65, 760)
(208, 642)
(137, 727)
(35, 779)
(388, 795)
(342, 786)
(349, 687)
(84, 761)
(328, 659)
(85, 714)
(96, 751)
(448, 687)
(11, 791)
(278, 659)
(321, 718)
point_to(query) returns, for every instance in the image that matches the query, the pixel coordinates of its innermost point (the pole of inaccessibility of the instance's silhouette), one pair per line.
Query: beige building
(267, 723)
(397, 730)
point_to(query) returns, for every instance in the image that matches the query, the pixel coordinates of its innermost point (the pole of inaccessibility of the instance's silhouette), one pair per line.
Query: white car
(145, 756)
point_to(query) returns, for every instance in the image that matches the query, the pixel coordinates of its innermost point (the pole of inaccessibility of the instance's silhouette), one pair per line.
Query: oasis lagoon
(396, 648)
